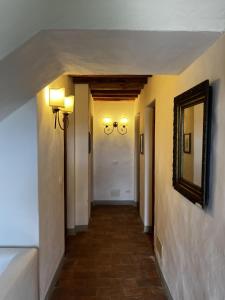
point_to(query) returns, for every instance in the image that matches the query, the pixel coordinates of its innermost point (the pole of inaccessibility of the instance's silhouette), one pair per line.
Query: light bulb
(56, 97)
(124, 121)
(107, 121)
(68, 104)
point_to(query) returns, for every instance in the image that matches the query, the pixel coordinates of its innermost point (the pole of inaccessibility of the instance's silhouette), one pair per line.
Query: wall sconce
(56, 99)
(59, 102)
(68, 105)
(120, 126)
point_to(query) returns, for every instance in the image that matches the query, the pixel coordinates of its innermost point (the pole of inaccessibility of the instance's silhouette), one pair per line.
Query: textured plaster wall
(113, 154)
(50, 187)
(192, 239)
(18, 178)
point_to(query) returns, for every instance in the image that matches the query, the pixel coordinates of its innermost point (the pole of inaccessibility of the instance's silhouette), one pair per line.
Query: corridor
(114, 260)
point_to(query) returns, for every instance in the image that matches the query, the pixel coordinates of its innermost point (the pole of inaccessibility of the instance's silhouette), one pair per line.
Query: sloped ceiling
(128, 52)
(160, 15)
(126, 37)
(21, 19)
(50, 53)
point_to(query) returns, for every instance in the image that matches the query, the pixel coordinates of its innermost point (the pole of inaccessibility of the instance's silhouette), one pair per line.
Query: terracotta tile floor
(114, 260)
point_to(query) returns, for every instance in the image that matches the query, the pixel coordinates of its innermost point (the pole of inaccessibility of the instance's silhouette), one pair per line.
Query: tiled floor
(114, 260)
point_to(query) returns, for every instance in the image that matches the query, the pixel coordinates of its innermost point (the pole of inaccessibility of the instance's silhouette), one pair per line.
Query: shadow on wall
(216, 86)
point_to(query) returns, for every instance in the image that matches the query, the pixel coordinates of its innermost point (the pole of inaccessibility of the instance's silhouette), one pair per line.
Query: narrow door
(137, 160)
(153, 169)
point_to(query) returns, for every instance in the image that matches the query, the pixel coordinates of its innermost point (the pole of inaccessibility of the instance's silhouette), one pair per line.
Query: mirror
(191, 143)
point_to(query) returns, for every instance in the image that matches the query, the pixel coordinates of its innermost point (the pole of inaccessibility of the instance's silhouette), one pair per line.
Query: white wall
(192, 239)
(50, 187)
(18, 178)
(81, 155)
(114, 153)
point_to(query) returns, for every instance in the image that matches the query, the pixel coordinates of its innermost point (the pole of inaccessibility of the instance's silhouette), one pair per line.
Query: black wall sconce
(121, 126)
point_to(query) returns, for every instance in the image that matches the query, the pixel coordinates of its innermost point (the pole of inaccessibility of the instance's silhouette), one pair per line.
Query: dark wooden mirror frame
(198, 94)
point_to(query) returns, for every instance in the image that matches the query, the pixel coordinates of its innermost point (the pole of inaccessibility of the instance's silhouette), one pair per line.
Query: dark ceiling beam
(113, 87)
(114, 99)
(116, 96)
(117, 86)
(142, 79)
(115, 92)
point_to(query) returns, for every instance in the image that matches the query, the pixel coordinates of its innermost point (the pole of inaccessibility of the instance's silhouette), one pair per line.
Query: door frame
(149, 169)
(137, 161)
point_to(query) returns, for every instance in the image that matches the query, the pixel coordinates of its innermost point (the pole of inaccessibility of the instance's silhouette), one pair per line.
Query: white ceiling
(128, 52)
(160, 15)
(21, 19)
(51, 53)
(148, 37)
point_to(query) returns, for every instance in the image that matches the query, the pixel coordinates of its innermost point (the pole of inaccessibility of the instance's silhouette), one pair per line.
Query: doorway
(153, 167)
(149, 149)
(137, 161)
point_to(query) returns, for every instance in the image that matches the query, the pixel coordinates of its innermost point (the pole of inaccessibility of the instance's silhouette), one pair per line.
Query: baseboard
(76, 229)
(148, 229)
(80, 228)
(168, 294)
(113, 202)
(54, 280)
(71, 231)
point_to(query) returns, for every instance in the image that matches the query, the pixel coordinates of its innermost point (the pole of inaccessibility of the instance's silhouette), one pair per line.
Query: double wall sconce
(121, 126)
(60, 103)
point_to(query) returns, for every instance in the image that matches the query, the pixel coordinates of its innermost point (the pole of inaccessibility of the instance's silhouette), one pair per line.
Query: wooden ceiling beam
(142, 79)
(114, 95)
(117, 86)
(113, 98)
(113, 87)
(115, 92)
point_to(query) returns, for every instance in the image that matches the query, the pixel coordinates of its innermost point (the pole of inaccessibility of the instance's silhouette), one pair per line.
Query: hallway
(113, 260)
